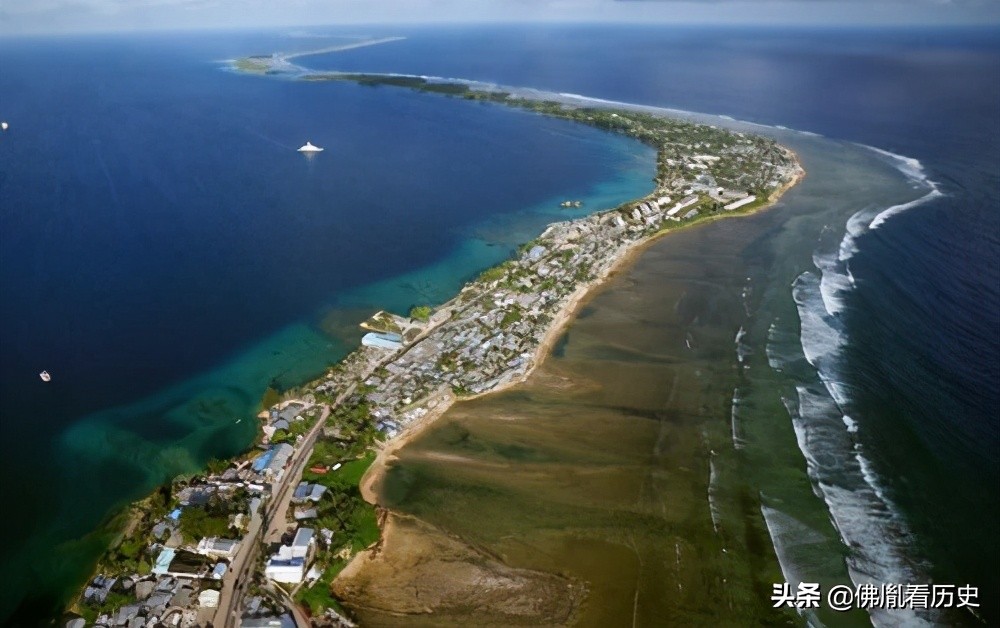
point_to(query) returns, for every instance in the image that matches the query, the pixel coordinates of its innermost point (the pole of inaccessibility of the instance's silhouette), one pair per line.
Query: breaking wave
(842, 475)
(914, 171)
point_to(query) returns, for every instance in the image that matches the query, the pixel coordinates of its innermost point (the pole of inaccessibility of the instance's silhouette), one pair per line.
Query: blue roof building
(392, 342)
(263, 460)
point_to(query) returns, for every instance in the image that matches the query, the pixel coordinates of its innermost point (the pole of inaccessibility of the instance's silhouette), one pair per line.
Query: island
(261, 538)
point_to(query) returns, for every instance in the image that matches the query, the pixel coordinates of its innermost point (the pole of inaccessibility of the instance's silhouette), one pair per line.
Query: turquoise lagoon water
(175, 256)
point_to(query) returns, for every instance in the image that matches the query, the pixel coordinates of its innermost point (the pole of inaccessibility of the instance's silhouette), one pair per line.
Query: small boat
(309, 148)
(3, 126)
(45, 376)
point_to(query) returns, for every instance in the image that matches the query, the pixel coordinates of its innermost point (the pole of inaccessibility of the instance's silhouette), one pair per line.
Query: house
(289, 413)
(163, 561)
(308, 492)
(273, 461)
(291, 570)
(209, 598)
(125, 614)
(379, 340)
(219, 571)
(740, 203)
(687, 201)
(288, 564)
(302, 542)
(220, 548)
(98, 590)
(195, 495)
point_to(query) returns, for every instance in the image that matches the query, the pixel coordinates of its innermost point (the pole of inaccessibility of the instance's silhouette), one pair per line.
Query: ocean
(166, 255)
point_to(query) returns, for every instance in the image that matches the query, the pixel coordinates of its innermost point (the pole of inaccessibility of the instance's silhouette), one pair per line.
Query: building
(740, 203)
(290, 570)
(379, 340)
(220, 571)
(163, 561)
(302, 542)
(288, 564)
(220, 548)
(268, 622)
(209, 598)
(684, 202)
(98, 590)
(308, 492)
(272, 462)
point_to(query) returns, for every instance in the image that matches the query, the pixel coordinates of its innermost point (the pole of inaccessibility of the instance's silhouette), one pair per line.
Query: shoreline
(518, 310)
(371, 481)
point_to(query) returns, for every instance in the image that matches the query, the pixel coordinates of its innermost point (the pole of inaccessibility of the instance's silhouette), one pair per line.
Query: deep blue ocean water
(167, 254)
(157, 224)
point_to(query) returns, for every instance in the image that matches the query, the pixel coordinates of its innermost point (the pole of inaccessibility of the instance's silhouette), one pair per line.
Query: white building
(209, 598)
(290, 571)
(302, 542)
(219, 548)
(740, 203)
(288, 565)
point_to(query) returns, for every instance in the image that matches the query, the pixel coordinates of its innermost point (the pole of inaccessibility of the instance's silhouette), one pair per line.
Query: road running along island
(266, 534)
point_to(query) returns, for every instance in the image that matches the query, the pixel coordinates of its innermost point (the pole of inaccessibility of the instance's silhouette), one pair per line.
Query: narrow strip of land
(408, 372)
(340, 47)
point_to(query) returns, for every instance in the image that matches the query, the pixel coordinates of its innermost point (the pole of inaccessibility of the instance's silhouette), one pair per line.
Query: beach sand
(417, 559)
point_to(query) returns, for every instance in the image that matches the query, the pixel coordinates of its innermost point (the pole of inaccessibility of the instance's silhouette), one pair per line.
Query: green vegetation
(510, 317)
(254, 65)
(215, 465)
(318, 597)
(412, 82)
(749, 166)
(112, 603)
(383, 321)
(492, 274)
(354, 521)
(352, 472)
(421, 313)
(198, 523)
(295, 429)
(212, 519)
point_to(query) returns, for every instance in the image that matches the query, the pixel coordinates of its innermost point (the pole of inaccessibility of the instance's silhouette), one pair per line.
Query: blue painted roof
(290, 562)
(262, 460)
(383, 341)
(163, 561)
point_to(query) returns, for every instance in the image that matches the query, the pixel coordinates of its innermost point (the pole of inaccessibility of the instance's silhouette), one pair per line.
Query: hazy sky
(32, 16)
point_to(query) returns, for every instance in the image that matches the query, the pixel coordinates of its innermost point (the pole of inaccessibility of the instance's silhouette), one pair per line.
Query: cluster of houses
(488, 336)
(484, 338)
(182, 586)
(158, 601)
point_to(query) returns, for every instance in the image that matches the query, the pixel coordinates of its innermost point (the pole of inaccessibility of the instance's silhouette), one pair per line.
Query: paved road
(240, 572)
(235, 581)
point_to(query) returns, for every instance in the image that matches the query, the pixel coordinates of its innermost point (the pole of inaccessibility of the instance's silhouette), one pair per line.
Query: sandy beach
(371, 482)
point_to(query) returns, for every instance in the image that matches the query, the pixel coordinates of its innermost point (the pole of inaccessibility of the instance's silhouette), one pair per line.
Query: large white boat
(309, 148)
(45, 376)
